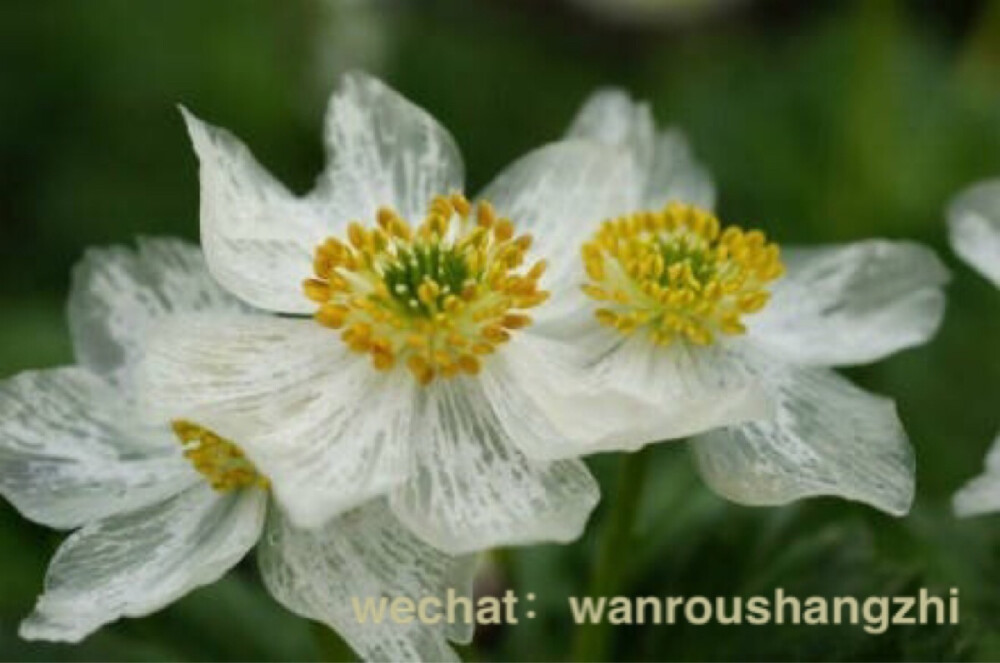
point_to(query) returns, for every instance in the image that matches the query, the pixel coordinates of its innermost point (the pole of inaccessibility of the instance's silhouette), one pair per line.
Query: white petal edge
(560, 193)
(827, 437)
(72, 451)
(473, 489)
(852, 304)
(328, 430)
(137, 563)
(383, 150)
(974, 227)
(259, 239)
(365, 554)
(981, 494)
(118, 294)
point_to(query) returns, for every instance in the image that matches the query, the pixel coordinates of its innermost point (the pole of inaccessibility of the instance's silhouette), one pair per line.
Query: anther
(434, 299)
(678, 273)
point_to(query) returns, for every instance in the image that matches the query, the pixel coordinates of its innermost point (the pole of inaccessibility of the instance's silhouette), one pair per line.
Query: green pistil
(444, 265)
(676, 251)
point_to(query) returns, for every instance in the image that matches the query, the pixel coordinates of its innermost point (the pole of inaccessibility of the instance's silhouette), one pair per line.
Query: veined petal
(560, 193)
(330, 573)
(134, 564)
(71, 451)
(258, 238)
(852, 304)
(827, 437)
(974, 225)
(675, 175)
(118, 294)
(982, 494)
(383, 150)
(472, 489)
(327, 430)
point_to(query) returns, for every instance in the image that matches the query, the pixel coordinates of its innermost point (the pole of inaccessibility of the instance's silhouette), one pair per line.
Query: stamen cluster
(435, 298)
(676, 274)
(218, 459)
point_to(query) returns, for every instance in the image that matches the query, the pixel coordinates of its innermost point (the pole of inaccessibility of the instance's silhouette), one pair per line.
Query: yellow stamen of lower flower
(677, 275)
(219, 460)
(434, 298)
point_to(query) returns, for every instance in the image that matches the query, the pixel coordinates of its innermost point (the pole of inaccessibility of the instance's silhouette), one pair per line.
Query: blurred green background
(822, 121)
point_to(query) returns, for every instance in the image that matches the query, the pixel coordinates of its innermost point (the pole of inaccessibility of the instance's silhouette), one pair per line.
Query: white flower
(414, 374)
(160, 510)
(733, 337)
(974, 225)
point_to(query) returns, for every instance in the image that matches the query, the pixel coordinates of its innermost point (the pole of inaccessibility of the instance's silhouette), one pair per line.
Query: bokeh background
(822, 122)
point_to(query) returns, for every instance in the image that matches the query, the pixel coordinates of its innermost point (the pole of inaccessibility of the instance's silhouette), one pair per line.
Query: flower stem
(592, 640)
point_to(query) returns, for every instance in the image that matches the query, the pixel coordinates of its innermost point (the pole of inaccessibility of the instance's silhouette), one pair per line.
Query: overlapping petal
(827, 437)
(329, 431)
(559, 193)
(136, 563)
(626, 395)
(71, 450)
(852, 304)
(327, 573)
(691, 388)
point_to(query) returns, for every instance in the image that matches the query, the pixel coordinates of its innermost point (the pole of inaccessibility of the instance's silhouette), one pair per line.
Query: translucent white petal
(328, 430)
(560, 193)
(118, 294)
(134, 564)
(690, 389)
(382, 150)
(675, 175)
(472, 489)
(668, 168)
(982, 494)
(827, 437)
(555, 405)
(610, 116)
(71, 450)
(852, 304)
(974, 225)
(551, 406)
(259, 239)
(323, 573)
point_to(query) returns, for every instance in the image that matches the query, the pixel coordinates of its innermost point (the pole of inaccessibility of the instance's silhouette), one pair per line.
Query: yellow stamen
(435, 297)
(678, 274)
(219, 460)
